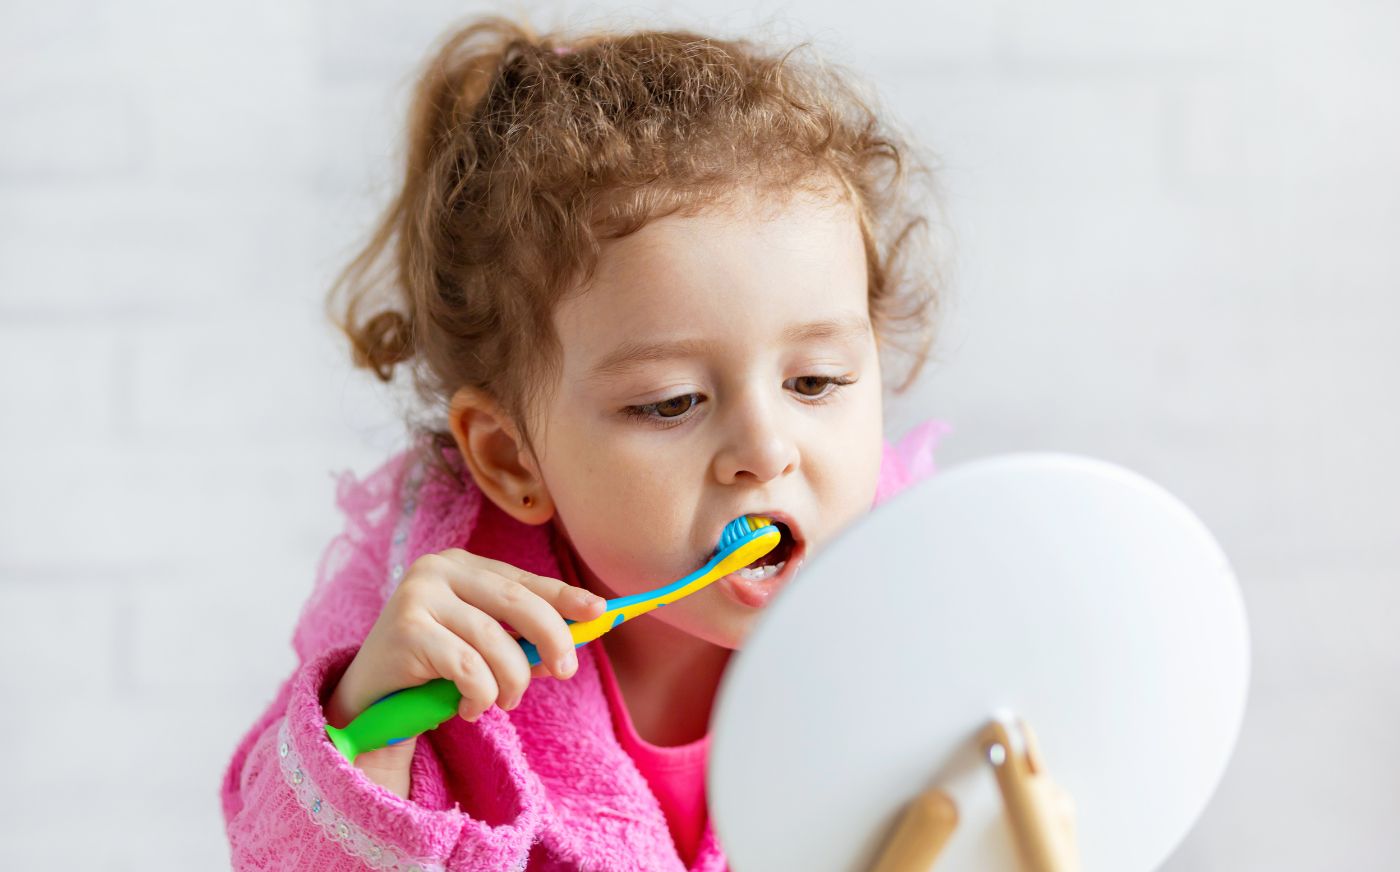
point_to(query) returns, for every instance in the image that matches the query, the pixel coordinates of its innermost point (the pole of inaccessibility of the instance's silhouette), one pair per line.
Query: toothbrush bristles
(740, 527)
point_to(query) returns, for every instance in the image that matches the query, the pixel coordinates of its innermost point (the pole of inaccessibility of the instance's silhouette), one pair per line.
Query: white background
(1176, 250)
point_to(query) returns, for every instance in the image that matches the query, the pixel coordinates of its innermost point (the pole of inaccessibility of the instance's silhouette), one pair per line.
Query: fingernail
(567, 664)
(589, 598)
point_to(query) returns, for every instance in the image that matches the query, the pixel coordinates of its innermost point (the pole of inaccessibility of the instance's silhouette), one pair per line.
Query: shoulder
(359, 568)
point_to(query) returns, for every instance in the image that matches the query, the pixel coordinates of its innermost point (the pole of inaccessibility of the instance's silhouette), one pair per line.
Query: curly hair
(526, 151)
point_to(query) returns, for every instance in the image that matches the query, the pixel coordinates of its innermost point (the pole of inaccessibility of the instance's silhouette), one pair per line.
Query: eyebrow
(632, 354)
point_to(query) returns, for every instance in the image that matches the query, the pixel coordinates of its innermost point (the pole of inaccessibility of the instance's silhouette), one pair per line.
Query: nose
(757, 446)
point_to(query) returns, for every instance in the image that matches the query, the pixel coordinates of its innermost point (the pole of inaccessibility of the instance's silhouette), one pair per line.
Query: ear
(499, 460)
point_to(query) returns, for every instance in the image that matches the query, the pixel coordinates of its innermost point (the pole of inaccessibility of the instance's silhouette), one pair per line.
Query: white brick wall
(1176, 231)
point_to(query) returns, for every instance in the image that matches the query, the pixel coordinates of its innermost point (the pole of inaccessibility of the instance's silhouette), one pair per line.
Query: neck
(668, 678)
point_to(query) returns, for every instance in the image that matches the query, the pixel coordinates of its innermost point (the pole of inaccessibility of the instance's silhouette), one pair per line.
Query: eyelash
(665, 423)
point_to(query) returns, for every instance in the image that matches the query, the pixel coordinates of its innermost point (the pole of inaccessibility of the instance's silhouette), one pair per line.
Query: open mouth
(772, 563)
(755, 584)
(784, 549)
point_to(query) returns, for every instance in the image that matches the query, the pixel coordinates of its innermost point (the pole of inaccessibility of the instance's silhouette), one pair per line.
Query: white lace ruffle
(338, 828)
(399, 544)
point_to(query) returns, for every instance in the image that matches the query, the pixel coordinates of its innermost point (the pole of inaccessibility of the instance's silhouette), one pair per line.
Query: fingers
(497, 649)
(572, 602)
(459, 662)
(534, 605)
(466, 598)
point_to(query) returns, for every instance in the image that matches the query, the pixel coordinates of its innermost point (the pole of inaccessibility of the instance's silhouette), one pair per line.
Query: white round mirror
(1077, 594)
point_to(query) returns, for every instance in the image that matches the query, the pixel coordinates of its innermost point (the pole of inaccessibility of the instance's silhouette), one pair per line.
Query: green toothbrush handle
(397, 717)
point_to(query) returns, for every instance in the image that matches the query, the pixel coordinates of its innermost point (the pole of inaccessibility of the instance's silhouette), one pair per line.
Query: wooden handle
(1039, 813)
(923, 830)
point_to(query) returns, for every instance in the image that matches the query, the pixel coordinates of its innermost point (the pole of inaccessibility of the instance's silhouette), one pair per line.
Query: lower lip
(755, 593)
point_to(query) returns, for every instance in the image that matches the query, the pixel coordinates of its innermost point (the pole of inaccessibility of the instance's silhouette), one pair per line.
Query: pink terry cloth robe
(675, 773)
(545, 787)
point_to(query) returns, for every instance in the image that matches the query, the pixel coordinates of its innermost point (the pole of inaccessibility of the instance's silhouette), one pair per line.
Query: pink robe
(546, 786)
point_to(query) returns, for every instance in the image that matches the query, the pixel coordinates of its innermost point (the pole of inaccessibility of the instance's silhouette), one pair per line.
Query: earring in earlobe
(527, 501)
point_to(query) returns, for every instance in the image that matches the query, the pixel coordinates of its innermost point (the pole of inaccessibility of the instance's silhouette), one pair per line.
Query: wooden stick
(1039, 814)
(923, 830)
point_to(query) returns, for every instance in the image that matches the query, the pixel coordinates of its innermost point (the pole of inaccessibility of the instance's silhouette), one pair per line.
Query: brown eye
(819, 382)
(675, 406)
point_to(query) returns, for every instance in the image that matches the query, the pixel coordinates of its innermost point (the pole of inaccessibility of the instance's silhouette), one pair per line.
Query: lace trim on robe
(337, 827)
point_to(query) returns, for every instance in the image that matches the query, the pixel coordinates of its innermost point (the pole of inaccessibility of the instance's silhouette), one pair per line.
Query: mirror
(1072, 592)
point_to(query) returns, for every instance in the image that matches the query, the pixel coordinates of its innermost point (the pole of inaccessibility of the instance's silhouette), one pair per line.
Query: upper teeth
(761, 572)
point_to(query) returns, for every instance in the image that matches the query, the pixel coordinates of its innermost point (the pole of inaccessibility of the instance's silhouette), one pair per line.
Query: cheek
(853, 472)
(860, 479)
(607, 482)
(625, 512)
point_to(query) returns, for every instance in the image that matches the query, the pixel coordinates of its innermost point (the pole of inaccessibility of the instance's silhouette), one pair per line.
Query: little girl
(643, 281)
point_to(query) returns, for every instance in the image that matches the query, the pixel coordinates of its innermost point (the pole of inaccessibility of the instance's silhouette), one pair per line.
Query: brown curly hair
(525, 151)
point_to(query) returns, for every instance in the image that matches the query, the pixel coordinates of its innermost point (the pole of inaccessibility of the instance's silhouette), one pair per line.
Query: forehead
(741, 272)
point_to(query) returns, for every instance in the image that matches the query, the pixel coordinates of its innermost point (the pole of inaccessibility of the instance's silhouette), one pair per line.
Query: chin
(732, 630)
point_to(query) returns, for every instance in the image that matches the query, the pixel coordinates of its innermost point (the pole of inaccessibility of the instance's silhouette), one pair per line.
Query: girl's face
(718, 365)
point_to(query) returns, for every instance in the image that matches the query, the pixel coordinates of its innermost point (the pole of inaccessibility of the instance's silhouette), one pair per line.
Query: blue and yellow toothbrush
(413, 710)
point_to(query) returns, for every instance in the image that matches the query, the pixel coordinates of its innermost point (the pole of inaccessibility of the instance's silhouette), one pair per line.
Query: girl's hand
(443, 621)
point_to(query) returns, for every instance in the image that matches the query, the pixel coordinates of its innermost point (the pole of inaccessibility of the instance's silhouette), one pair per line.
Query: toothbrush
(405, 713)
